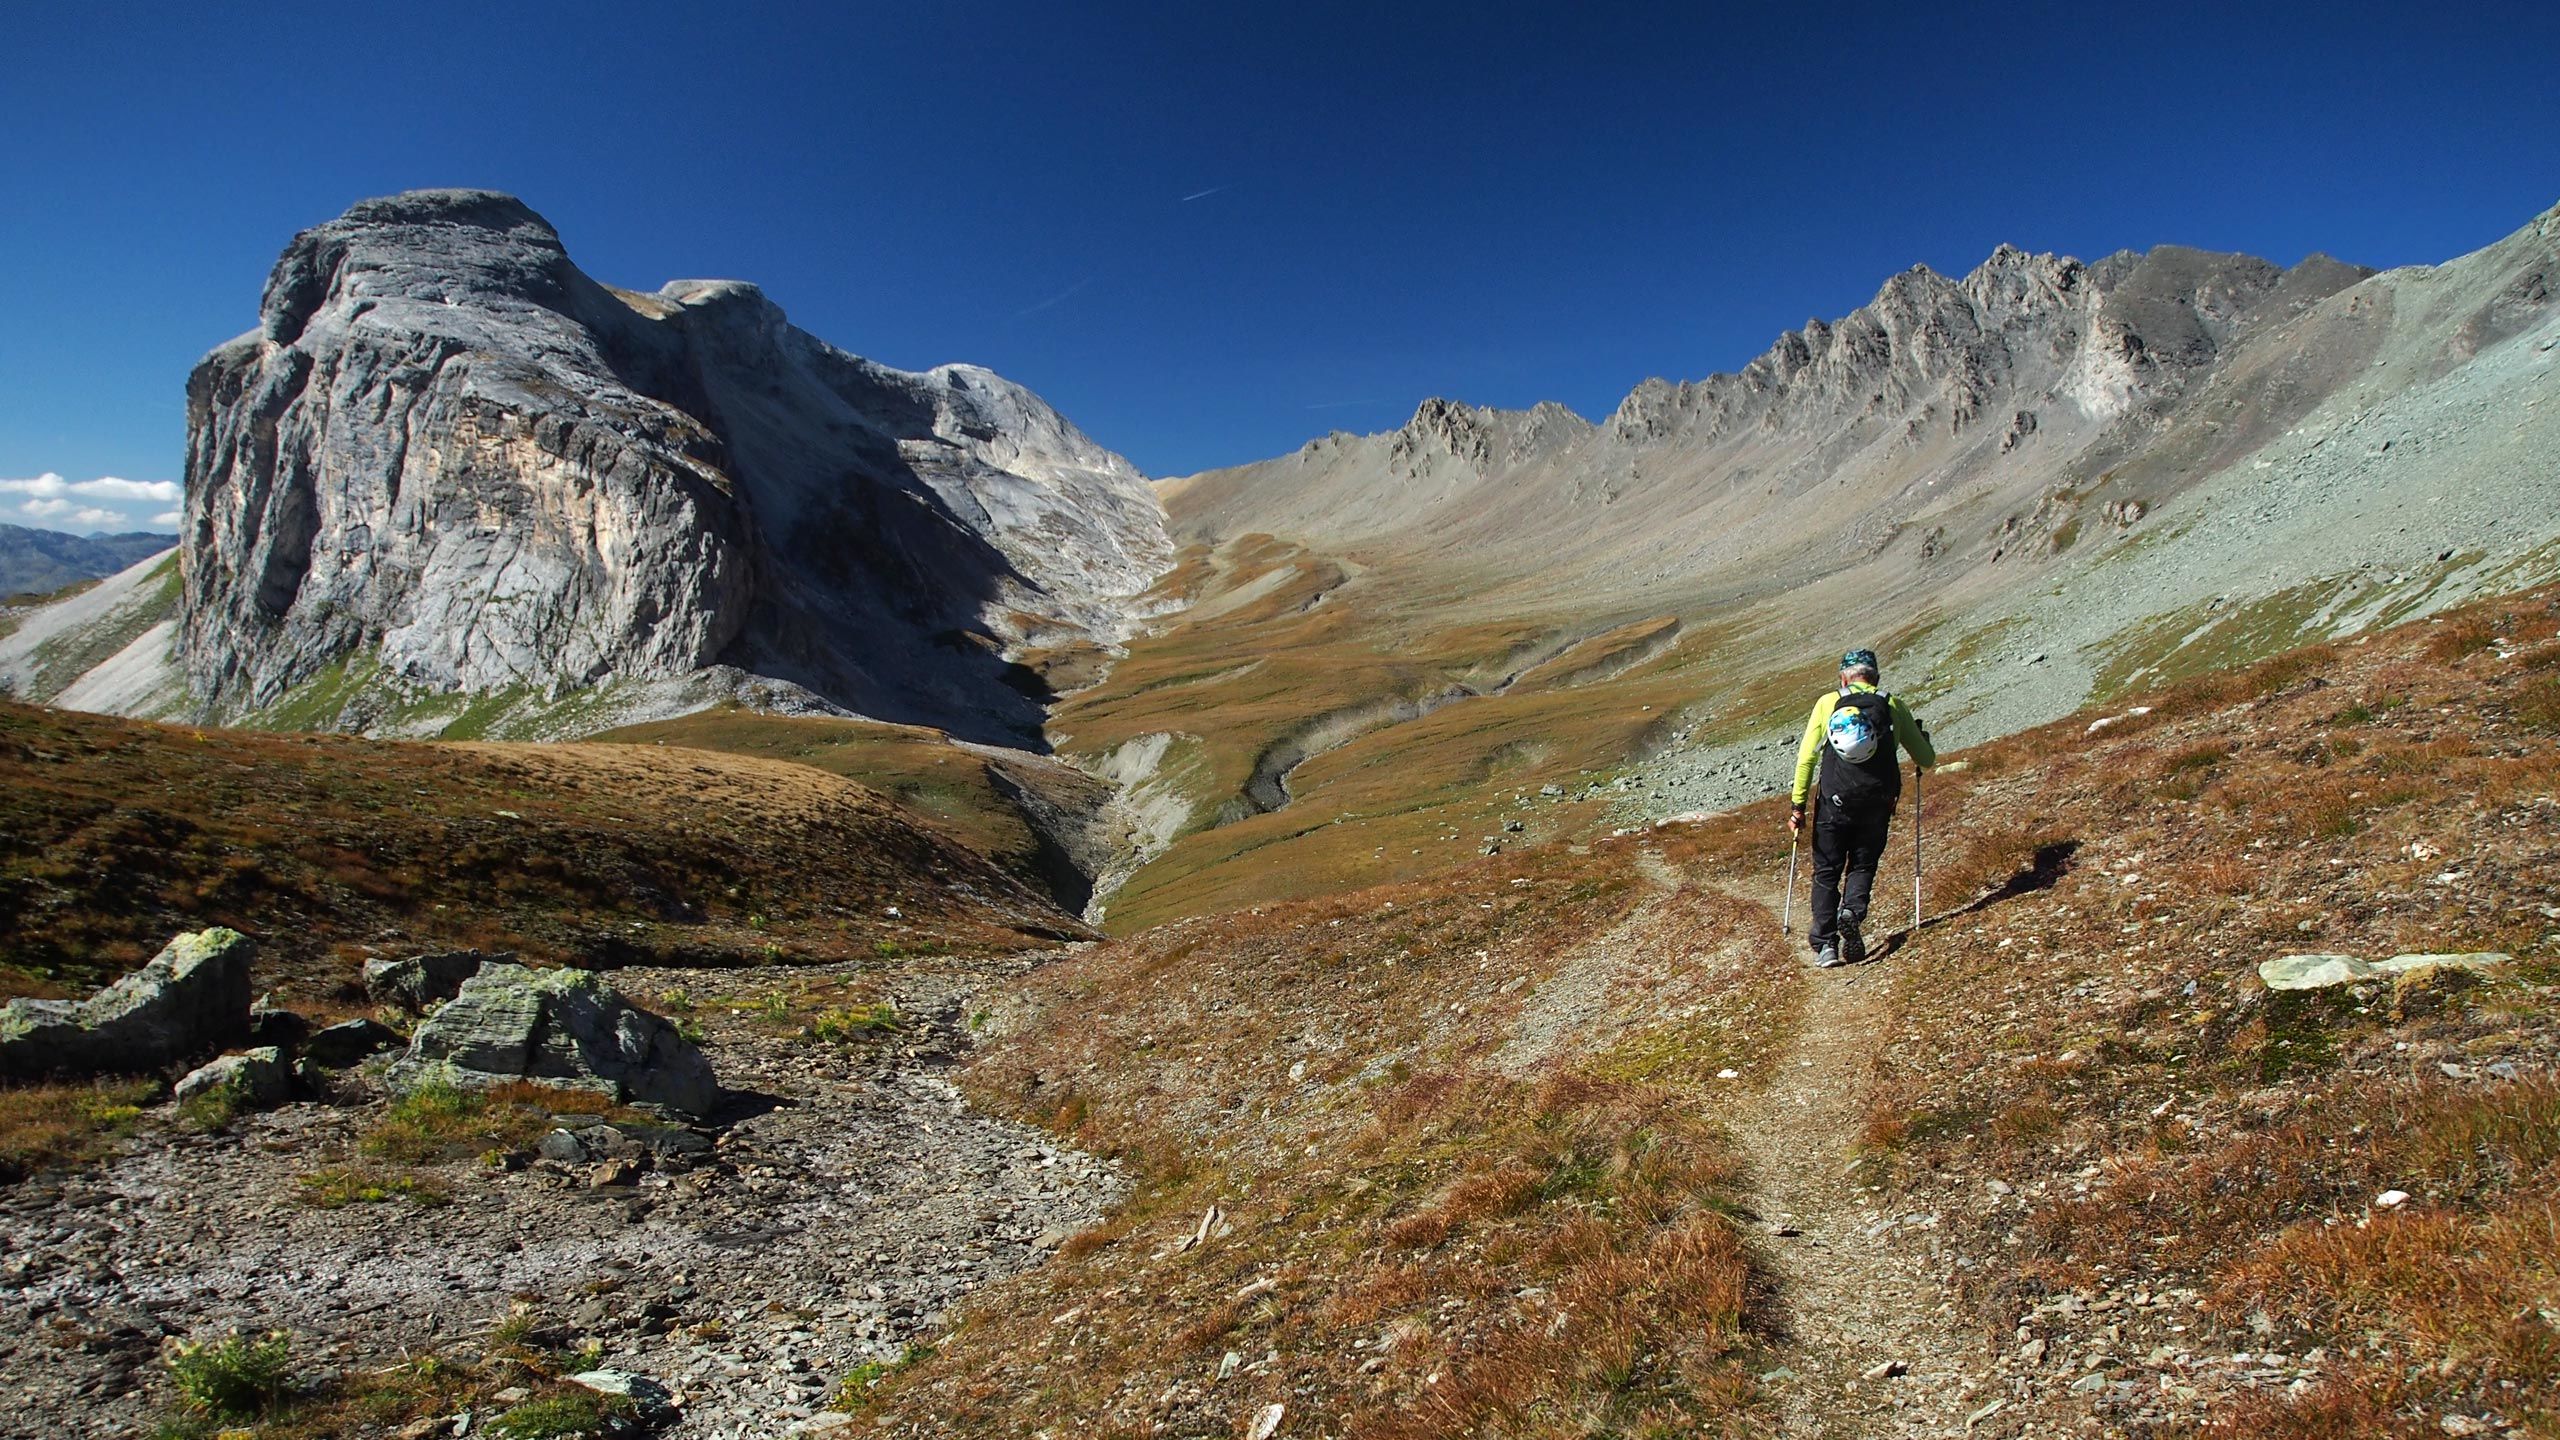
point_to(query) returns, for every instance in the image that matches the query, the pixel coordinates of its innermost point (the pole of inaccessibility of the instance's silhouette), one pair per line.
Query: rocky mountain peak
(449, 458)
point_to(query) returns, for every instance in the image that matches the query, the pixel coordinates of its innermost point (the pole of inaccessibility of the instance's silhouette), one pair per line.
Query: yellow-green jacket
(1907, 731)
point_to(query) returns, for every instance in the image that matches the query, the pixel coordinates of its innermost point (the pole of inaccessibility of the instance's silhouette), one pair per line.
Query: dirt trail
(1851, 1298)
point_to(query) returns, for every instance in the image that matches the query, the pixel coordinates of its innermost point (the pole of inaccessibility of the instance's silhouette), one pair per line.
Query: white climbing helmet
(1852, 735)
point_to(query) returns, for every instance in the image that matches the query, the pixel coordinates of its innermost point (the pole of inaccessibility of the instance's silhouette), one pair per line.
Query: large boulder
(556, 1027)
(418, 983)
(191, 999)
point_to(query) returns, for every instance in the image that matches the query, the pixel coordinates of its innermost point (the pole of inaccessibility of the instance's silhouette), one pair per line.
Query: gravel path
(1875, 1349)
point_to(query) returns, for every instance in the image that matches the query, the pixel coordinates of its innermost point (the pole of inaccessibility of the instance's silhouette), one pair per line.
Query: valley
(1303, 949)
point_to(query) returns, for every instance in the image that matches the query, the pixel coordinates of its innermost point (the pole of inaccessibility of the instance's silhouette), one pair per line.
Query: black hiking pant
(1848, 841)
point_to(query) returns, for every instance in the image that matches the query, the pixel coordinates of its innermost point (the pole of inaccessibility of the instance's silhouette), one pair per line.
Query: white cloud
(67, 513)
(109, 502)
(109, 487)
(105, 487)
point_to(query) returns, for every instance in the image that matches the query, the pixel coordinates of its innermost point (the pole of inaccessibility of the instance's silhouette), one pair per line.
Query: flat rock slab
(2319, 972)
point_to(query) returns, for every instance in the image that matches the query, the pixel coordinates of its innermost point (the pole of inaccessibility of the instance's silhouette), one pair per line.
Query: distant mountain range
(39, 562)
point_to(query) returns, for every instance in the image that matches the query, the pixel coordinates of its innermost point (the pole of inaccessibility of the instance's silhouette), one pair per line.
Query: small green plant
(344, 1185)
(676, 999)
(234, 1378)
(214, 1109)
(888, 949)
(775, 1006)
(853, 1393)
(842, 1023)
(978, 1019)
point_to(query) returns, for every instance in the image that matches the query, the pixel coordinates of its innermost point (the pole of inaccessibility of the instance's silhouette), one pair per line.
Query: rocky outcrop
(450, 460)
(556, 1027)
(192, 998)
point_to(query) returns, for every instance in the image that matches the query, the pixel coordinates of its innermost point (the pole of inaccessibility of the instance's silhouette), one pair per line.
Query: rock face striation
(449, 459)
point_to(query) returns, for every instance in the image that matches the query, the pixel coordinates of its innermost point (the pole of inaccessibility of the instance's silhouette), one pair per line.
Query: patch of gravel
(835, 1227)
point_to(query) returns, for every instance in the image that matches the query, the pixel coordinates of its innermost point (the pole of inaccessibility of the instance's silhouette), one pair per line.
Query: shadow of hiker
(2043, 870)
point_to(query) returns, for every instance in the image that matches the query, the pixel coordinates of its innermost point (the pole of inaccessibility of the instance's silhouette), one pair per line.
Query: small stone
(335, 1047)
(1883, 1370)
(255, 1078)
(612, 1173)
(2391, 1199)
(562, 1146)
(654, 1403)
(1267, 1424)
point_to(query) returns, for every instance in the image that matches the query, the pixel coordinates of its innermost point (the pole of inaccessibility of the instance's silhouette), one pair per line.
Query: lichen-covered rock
(556, 1027)
(192, 998)
(255, 1079)
(2320, 972)
(417, 982)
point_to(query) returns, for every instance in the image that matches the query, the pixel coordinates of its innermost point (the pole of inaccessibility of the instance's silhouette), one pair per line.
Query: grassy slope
(1424, 1222)
(953, 788)
(1330, 1076)
(2203, 1156)
(115, 834)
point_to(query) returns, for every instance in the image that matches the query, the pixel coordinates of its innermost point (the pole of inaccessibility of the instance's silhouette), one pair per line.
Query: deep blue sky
(1493, 202)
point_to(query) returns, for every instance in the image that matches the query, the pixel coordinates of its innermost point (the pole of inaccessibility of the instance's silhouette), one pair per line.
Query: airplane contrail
(1203, 194)
(1054, 299)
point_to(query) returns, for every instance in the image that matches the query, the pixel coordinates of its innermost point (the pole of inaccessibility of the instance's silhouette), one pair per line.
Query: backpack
(1861, 762)
(1852, 734)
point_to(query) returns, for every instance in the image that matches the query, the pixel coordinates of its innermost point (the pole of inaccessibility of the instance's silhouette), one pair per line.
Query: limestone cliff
(449, 458)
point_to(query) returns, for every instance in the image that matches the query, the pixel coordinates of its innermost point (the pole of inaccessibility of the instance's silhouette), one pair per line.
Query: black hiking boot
(1853, 946)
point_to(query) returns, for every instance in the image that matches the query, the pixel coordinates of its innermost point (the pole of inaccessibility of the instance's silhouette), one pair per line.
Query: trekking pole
(1787, 912)
(1915, 849)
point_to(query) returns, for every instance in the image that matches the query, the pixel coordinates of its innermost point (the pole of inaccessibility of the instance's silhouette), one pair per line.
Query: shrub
(2537, 704)
(572, 1412)
(2467, 635)
(44, 1125)
(234, 1378)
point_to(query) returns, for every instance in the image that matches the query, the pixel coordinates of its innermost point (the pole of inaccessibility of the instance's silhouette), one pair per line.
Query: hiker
(1856, 734)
